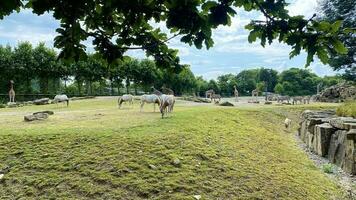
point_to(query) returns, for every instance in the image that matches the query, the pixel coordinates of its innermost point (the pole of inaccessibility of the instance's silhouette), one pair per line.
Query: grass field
(92, 150)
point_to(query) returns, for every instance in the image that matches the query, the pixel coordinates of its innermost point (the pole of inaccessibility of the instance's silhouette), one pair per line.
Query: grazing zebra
(167, 104)
(125, 98)
(150, 98)
(61, 98)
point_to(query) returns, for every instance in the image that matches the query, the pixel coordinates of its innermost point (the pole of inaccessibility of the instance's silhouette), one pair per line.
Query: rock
(38, 116)
(47, 111)
(345, 123)
(1, 177)
(42, 101)
(350, 160)
(322, 138)
(337, 149)
(197, 197)
(176, 162)
(226, 103)
(337, 93)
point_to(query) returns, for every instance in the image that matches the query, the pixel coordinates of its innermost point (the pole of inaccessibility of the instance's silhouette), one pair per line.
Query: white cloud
(212, 74)
(303, 7)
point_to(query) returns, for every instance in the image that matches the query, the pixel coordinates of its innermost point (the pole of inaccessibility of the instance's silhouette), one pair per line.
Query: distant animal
(296, 99)
(12, 91)
(150, 98)
(254, 93)
(216, 98)
(167, 91)
(156, 92)
(167, 104)
(61, 98)
(281, 99)
(306, 99)
(287, 123)
(209, 93)
(125, 98)
(236, 94)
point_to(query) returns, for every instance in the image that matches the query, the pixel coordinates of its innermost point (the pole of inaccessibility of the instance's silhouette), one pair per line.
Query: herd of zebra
(288, 99)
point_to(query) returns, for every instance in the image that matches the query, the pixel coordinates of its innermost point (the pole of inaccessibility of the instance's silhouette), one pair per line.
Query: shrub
(328, 168)
(347, 109)
(2, 106)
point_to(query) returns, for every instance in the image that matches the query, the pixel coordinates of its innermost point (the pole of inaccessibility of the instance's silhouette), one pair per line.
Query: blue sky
(230, 54)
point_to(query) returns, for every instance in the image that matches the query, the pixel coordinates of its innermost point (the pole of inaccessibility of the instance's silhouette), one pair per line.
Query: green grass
(328, 168)
(347, 109)
(92, 150)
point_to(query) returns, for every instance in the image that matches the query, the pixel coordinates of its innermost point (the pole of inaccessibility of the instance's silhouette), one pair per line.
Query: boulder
(337, 148)
(350, 161)
(42, 101)
(226, 103)
(37, 116)
(345, 123)
(322, 138)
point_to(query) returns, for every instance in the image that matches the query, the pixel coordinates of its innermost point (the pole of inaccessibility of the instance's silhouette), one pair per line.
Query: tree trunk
(111, 87)
(79, 83)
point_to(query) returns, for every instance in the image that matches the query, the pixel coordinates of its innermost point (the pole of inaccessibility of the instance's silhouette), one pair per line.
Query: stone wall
(331, 137)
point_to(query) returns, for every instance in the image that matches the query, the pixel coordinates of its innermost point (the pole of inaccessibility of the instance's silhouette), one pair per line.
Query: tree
(298, 81)
(119, 25)
(336, 10)
(23, 64)
(279, 88)
(201, 86)
(44, 60)
(269, 77)
(226, 83)
(246, 81)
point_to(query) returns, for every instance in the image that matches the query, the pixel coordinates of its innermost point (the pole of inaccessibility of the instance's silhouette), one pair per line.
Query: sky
(231, 53)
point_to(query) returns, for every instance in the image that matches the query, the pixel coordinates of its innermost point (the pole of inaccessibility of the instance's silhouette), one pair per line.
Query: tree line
(36, 70)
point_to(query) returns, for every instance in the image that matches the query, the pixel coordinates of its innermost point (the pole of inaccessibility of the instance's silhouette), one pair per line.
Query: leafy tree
(279, 88)
(23, 63)
(212, 84)
(269, 77)
(246, 81)
(45, 63)
(298, 81)
(334, 11)
(119, 25)
(226, 83)
(201, 86)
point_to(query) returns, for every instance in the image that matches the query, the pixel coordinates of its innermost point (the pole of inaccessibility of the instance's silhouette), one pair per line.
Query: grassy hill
(92, 150)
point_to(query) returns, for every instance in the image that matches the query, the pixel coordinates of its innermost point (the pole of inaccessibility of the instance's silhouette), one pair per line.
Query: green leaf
(324, 26)
(339, 47)
(309, 58)
(323, 55)
(336, 26)
(253, 36)
(206, 6)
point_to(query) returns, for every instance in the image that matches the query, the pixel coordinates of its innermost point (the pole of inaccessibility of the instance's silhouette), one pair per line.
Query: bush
(328, 168)
(2, 106)
(347, 109)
